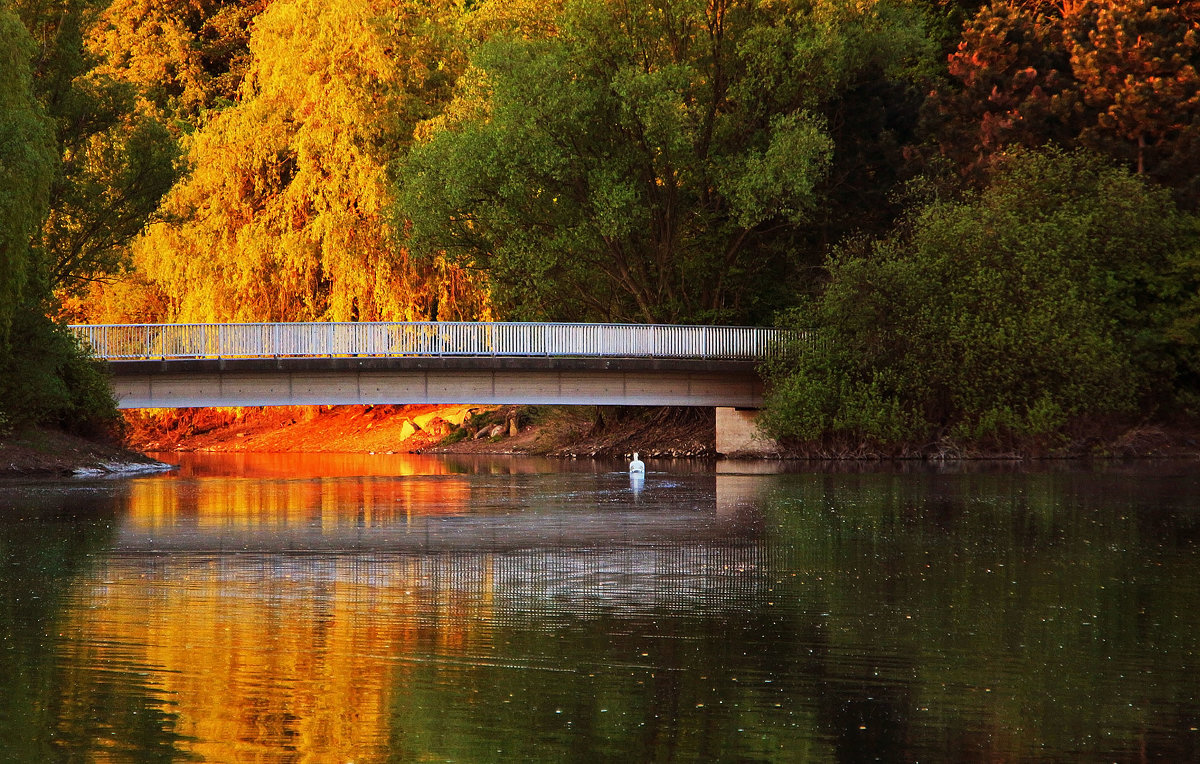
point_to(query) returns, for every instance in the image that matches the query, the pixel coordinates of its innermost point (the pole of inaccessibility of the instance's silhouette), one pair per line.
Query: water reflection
(1032, 616)
(53, 703)
(479, 611)
(432, 506)
(270, 652)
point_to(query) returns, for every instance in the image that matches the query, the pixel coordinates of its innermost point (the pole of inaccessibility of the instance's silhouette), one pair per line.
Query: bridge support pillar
(738, 434)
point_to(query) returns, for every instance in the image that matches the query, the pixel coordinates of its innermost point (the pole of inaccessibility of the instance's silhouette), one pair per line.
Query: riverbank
(553, 431)
(1096, 439)
(42, 452)
(582, 431)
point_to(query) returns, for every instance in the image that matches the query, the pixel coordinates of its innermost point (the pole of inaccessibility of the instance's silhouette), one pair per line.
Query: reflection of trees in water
(1025, 614)
(437, 512)
(980, 615)
(279, 504)
(300, 650)
(677, 653)
(251, 464)
(969, 616)
(55, 705)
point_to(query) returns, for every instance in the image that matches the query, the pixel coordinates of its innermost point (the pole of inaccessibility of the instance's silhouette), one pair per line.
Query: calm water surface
(398, 608)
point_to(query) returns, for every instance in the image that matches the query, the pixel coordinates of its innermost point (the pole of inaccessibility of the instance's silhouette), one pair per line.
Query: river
(359, 608)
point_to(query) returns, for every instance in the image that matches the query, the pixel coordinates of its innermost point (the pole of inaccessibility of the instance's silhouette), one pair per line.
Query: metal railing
(165, 341)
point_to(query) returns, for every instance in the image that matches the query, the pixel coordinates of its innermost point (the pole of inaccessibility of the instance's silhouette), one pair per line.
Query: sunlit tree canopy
(284, 215)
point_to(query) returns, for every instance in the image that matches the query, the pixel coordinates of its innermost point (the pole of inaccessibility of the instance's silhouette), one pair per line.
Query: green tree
(115, 163)
(27, 165)
(653, 160)
(44, 375)
(1053, 294)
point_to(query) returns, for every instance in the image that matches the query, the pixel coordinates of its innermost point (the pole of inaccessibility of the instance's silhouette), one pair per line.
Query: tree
(172, 63)
(1136, 62)
(284, 215)
(27, 165)
(1118, 76)
(183, 56)
(653, 160)
(1015, 86)
(115, 163)
(1055, 293)
(44, 375)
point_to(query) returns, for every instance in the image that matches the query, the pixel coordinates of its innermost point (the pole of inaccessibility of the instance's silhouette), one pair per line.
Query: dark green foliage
(27, 164)
(47, 378)
(658, 161)
(1057, 292)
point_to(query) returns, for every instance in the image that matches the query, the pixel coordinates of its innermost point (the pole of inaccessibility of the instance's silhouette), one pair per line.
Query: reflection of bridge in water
(679, 542)
(444, 512)
(354, 634)
(363, 589)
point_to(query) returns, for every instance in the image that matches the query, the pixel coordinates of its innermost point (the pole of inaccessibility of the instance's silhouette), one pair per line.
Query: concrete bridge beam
(314, 381)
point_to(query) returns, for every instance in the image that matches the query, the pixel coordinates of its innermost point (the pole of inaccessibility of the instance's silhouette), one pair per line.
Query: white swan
(636, 467)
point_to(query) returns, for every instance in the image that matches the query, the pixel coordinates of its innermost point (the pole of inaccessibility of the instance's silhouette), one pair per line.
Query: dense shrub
(1058, 291)
(47, 378)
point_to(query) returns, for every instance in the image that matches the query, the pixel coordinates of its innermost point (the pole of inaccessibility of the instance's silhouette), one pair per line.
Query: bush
(1052, 294)
(47, 378)
(462, 433)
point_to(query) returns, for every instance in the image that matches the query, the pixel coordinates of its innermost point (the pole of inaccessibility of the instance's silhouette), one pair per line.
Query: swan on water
(636, 467)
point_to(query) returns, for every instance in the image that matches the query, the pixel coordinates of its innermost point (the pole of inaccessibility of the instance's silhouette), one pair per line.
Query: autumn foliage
(601, 160)
(1116, 76)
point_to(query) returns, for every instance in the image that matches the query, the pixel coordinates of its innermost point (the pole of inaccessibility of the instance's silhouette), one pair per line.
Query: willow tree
(183, 56)
(647, 161)
(285, 212)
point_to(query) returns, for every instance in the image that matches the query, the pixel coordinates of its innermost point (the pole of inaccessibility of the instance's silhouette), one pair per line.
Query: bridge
(324, 363)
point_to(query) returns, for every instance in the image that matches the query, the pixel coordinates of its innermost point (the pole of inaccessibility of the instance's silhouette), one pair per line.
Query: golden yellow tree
(284, 215)
(183, 56)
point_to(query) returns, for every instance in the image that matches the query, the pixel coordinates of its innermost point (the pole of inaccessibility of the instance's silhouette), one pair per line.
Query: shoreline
(541, 431)
(48, 453)
(583, 432)
(558, 432)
